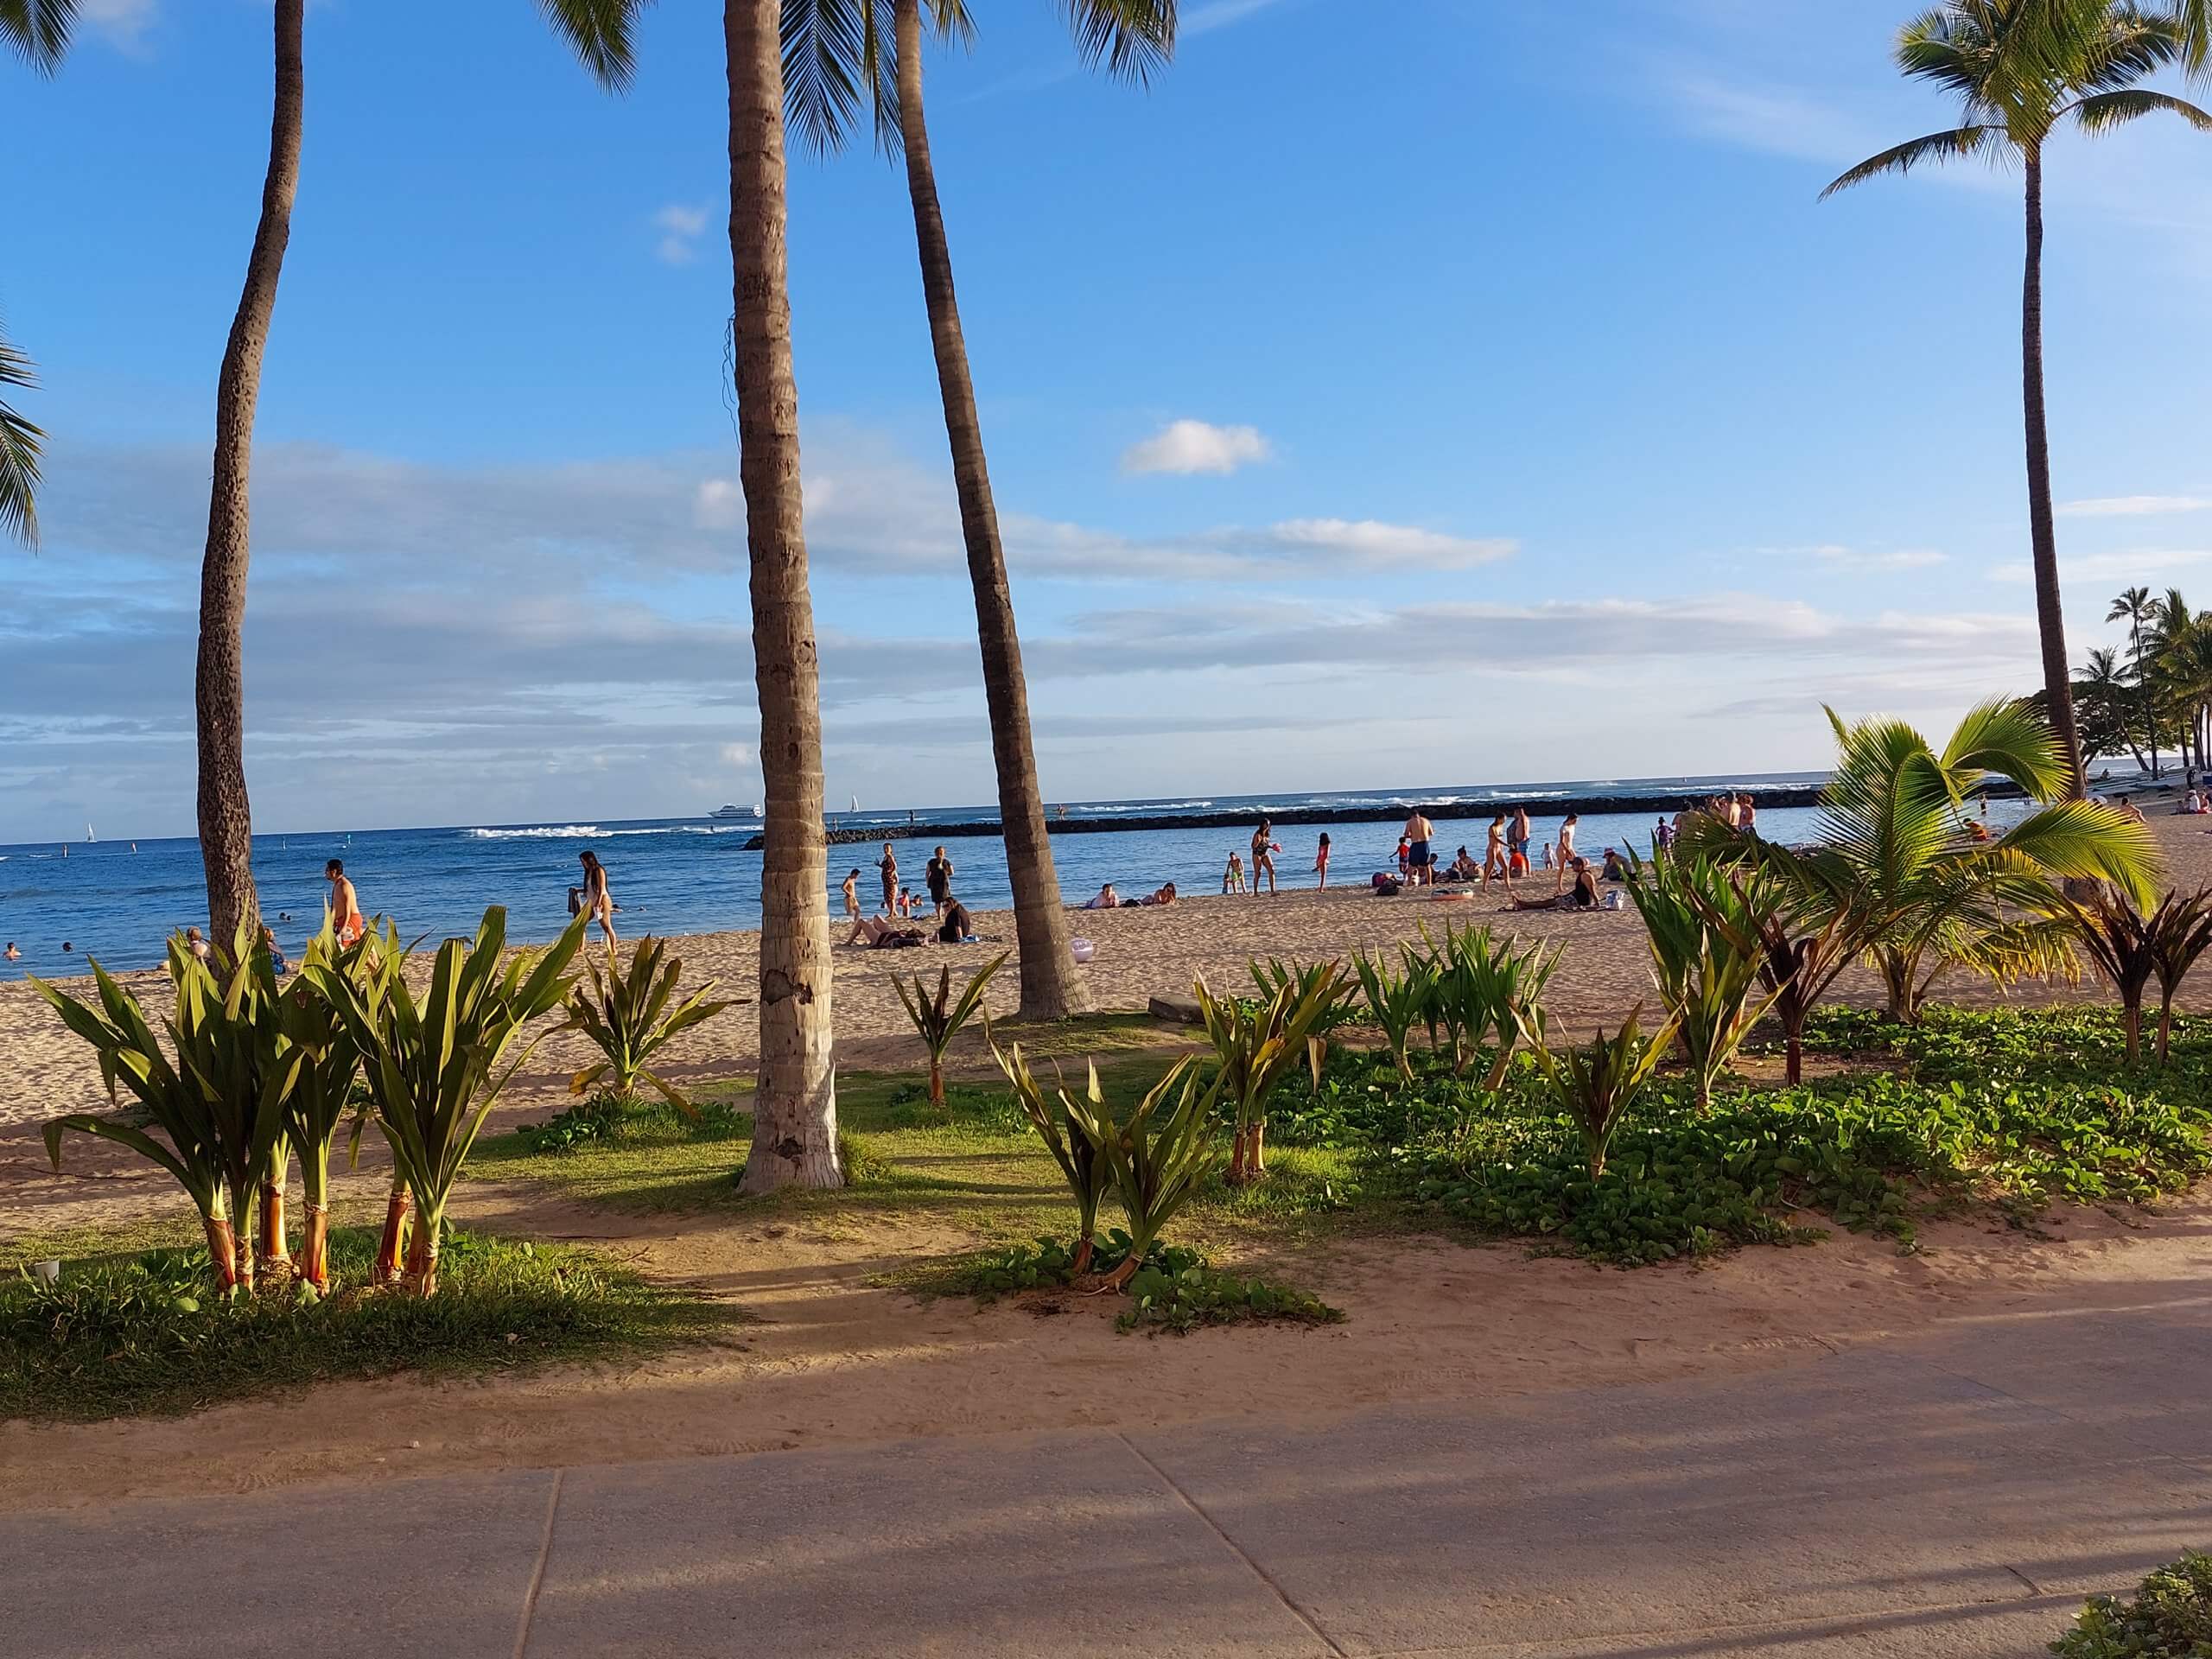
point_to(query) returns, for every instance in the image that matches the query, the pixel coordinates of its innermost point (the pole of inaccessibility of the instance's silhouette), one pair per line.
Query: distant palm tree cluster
(2151, 699)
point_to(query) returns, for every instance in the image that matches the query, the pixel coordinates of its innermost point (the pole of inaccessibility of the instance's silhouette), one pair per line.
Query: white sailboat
(89, 837)
(760, 811)
(856, 803)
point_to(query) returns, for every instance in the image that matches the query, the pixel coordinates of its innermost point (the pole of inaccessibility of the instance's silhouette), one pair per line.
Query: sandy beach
(1604, 971)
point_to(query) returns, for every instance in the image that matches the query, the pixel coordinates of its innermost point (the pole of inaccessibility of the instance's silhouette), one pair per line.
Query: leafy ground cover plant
(2170, 1616)
(1180, 1299)
(625, 1013)
(139, 1335)
(939, 1019)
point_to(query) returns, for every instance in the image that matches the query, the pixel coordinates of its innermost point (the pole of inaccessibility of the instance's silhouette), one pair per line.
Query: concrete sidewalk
(1952, 1497)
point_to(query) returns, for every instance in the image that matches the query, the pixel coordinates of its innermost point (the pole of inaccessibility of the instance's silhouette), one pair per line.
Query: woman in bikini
(596, 903)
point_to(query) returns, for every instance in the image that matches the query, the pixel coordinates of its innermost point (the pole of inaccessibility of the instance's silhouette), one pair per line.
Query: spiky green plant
(625, 1013)
(1398, 1002)
(220, 1101)
(1596, 1084)
(1506, 986)
(937, 1019)
(1254, 1044)
(1706, 974)
(324, 1094)
(1157, 1157)
(1073, 1133)
(435, 1063)
(2131, 948)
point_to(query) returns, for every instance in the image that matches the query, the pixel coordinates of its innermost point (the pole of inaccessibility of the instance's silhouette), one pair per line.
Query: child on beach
(1320, 862)
(1405, 859)
(1232, 879)
(853, 895)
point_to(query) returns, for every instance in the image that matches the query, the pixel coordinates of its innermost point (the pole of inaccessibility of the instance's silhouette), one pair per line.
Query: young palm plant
(1597, 1084)
(1508, 986)
(319, 1104)
(2181, 933)
(937, 1019)
(1073, 1132)
(1255, 1044)
(625, 1013)
(1706, 974)
(1396, 1002)
(2021, 70)
(219, 1102)
(435, 1064)
(1157, 1158)
(2117, 938)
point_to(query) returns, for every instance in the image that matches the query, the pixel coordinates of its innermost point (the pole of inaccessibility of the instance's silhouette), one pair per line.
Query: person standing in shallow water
(345, 905)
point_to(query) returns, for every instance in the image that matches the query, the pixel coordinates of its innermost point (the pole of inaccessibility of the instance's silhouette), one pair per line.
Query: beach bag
(1386, 887)
(575, 900)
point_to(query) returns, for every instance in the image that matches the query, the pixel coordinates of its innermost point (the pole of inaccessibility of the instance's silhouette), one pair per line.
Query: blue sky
(1366, 406)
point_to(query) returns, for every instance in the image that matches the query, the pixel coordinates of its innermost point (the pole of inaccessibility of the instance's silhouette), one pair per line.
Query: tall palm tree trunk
(2042, 536)
(795, 1108)
(219, 685)
(1051, 988)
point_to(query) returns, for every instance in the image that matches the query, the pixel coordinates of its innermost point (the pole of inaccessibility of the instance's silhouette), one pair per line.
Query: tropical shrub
(2182, 932)
(1256, 1043)
(1505, 987)
(1596, 1084)
(1396, 1002)
(330, 1070)
(220, 1102)
(1074, 1132)
(939, 1019)
(1705, 973)
(2170, 1616)
(1157, 1158)
(625, 1013)
(435, 1064)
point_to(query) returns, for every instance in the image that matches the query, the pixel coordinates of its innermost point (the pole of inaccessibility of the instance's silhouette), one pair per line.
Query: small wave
(547, 832)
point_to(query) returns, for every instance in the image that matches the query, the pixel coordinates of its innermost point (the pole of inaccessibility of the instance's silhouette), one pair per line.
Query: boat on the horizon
(729, 809)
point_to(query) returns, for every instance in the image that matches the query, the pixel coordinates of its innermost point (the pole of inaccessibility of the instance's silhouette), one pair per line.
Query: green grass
(125, 1334)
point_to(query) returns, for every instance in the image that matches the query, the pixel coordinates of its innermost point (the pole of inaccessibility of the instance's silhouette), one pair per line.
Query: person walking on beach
(1321, 863)
(1263, 856)
(1566, 858)
(889, 865)
(1420, 832)
(1494, 857)
(937, 876)
(1232, 879)
(344, 907)
(597, 903)
(853, 895)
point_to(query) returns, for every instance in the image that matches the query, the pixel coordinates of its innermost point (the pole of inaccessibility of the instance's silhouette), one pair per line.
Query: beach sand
(835, 1359)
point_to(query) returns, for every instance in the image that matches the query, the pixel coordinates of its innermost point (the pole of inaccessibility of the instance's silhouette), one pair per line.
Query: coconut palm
(795, 1106)
(1894, 844)
(599, 32)
(38, 30)
(835, 62)
(2133, 606)
(2105, 703)
(2021, 69)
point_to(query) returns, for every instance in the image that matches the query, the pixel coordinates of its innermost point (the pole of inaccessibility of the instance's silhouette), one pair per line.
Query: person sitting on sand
(956, 928)
(1582, 895)
(1107, 898)
(1616, 867)
(2129, 810)
(882, 933)
(1232, 879)
(276, 962)
(1977, 830)
(1464, 867)
(1164, 896)
(195, 944)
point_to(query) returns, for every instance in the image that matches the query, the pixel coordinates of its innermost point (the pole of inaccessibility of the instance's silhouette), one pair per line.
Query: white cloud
(1217, 14)
(2132, 506)
(2133, 565)
(1373, 545)
(1193, 446)
(1836, 556)
(681, 227)
(123, 23)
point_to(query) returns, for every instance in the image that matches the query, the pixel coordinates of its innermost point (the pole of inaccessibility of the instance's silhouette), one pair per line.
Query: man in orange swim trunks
(345, 907)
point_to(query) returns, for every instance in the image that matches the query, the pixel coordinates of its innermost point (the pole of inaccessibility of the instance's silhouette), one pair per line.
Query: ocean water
(119, 900)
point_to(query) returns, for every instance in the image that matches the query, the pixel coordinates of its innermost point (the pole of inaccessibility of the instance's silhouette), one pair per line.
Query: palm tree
(795, 1106)
(2021, 68)
(599, 32)
(1895, 852)
(833, 56)
(2133, 606)
(2103, 698)
(38, 32)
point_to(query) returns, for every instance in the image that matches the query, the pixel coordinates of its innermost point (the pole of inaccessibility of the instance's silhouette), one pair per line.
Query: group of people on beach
(892, 928)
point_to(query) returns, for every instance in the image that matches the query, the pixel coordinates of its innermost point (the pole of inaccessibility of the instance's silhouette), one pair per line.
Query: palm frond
(2105, 110)
(601, 34)
(2006, 737)
(840, 60)
(1959, 144)
(1132, 38)
(38, 30)
(20, 447)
